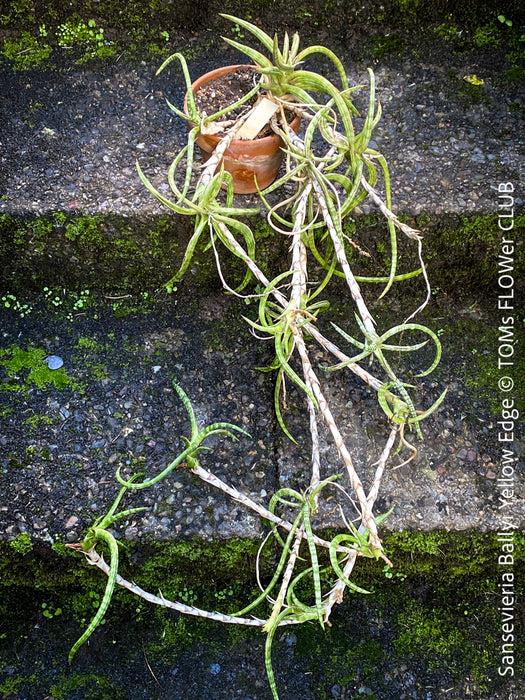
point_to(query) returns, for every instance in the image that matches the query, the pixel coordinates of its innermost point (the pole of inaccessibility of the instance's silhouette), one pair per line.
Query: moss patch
(120, 256)
(52, 33)
(440, 613)
(27, 368)
(105, 253)
(463, 253)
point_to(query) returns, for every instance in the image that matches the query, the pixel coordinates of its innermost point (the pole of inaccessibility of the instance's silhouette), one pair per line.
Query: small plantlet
(9, 301)
(50, 614)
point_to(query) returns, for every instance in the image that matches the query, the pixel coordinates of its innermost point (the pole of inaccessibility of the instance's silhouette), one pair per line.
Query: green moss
(89, 344)
(36, 423)
(95, 686)
(463, 252)
(386, 45)
(184, 567)
(443, 642)
(442, 558)
(22, 543)
(428, 618)
(21, 9)
(35, 232)
(220, 561)
(464, 554)
(27, 51)
(474, 342)
(34, 370)
(108, 253)
(81, 37)
(440, 614)
(86, 231)
(88, 37)
(82, 40)
(483, 371)
(261, 229)
(64, 34)
(12, 685)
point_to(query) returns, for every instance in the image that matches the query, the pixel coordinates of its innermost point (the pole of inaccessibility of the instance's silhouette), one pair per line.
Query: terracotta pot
(245, 160)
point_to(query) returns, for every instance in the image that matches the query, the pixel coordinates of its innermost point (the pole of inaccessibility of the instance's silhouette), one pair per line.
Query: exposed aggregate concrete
(69, 142)
(56, 477)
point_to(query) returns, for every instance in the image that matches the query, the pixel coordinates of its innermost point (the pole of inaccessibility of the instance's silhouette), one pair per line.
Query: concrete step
(75, 219)
(60, 447)
(70, 139)
(75, 215)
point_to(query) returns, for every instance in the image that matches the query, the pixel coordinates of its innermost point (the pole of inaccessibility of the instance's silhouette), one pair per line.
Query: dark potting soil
(228, 89)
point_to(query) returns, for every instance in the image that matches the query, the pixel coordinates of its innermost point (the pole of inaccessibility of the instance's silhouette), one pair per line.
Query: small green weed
(237, 31)
(83, 301)
(54, 300)
(27, 51)
(9, 301)
(389, 574)
(49, 613)
(88, 36)
(30, 50)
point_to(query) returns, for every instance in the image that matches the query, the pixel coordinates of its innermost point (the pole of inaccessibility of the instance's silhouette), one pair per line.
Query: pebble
(71, 522)
(54, 362)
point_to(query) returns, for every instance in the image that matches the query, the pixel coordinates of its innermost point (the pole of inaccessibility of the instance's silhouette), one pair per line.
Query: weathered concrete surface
(75, 153)
(55, 477)
(59, 449)
(447, 149)
(142, 21)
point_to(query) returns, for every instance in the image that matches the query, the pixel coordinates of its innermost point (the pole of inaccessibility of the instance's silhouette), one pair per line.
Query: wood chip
(260, 116)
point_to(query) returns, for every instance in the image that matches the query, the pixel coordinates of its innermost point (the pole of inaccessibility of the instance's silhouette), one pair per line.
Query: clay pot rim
(232, 69)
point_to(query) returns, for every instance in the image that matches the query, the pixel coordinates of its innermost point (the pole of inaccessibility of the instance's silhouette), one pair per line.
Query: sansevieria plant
(330, 169)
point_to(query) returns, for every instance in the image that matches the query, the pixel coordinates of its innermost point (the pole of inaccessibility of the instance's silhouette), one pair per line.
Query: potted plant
(331, 169)
(253, 162)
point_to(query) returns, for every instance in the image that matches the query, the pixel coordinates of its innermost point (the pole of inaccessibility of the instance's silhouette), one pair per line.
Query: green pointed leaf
(256, 56)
